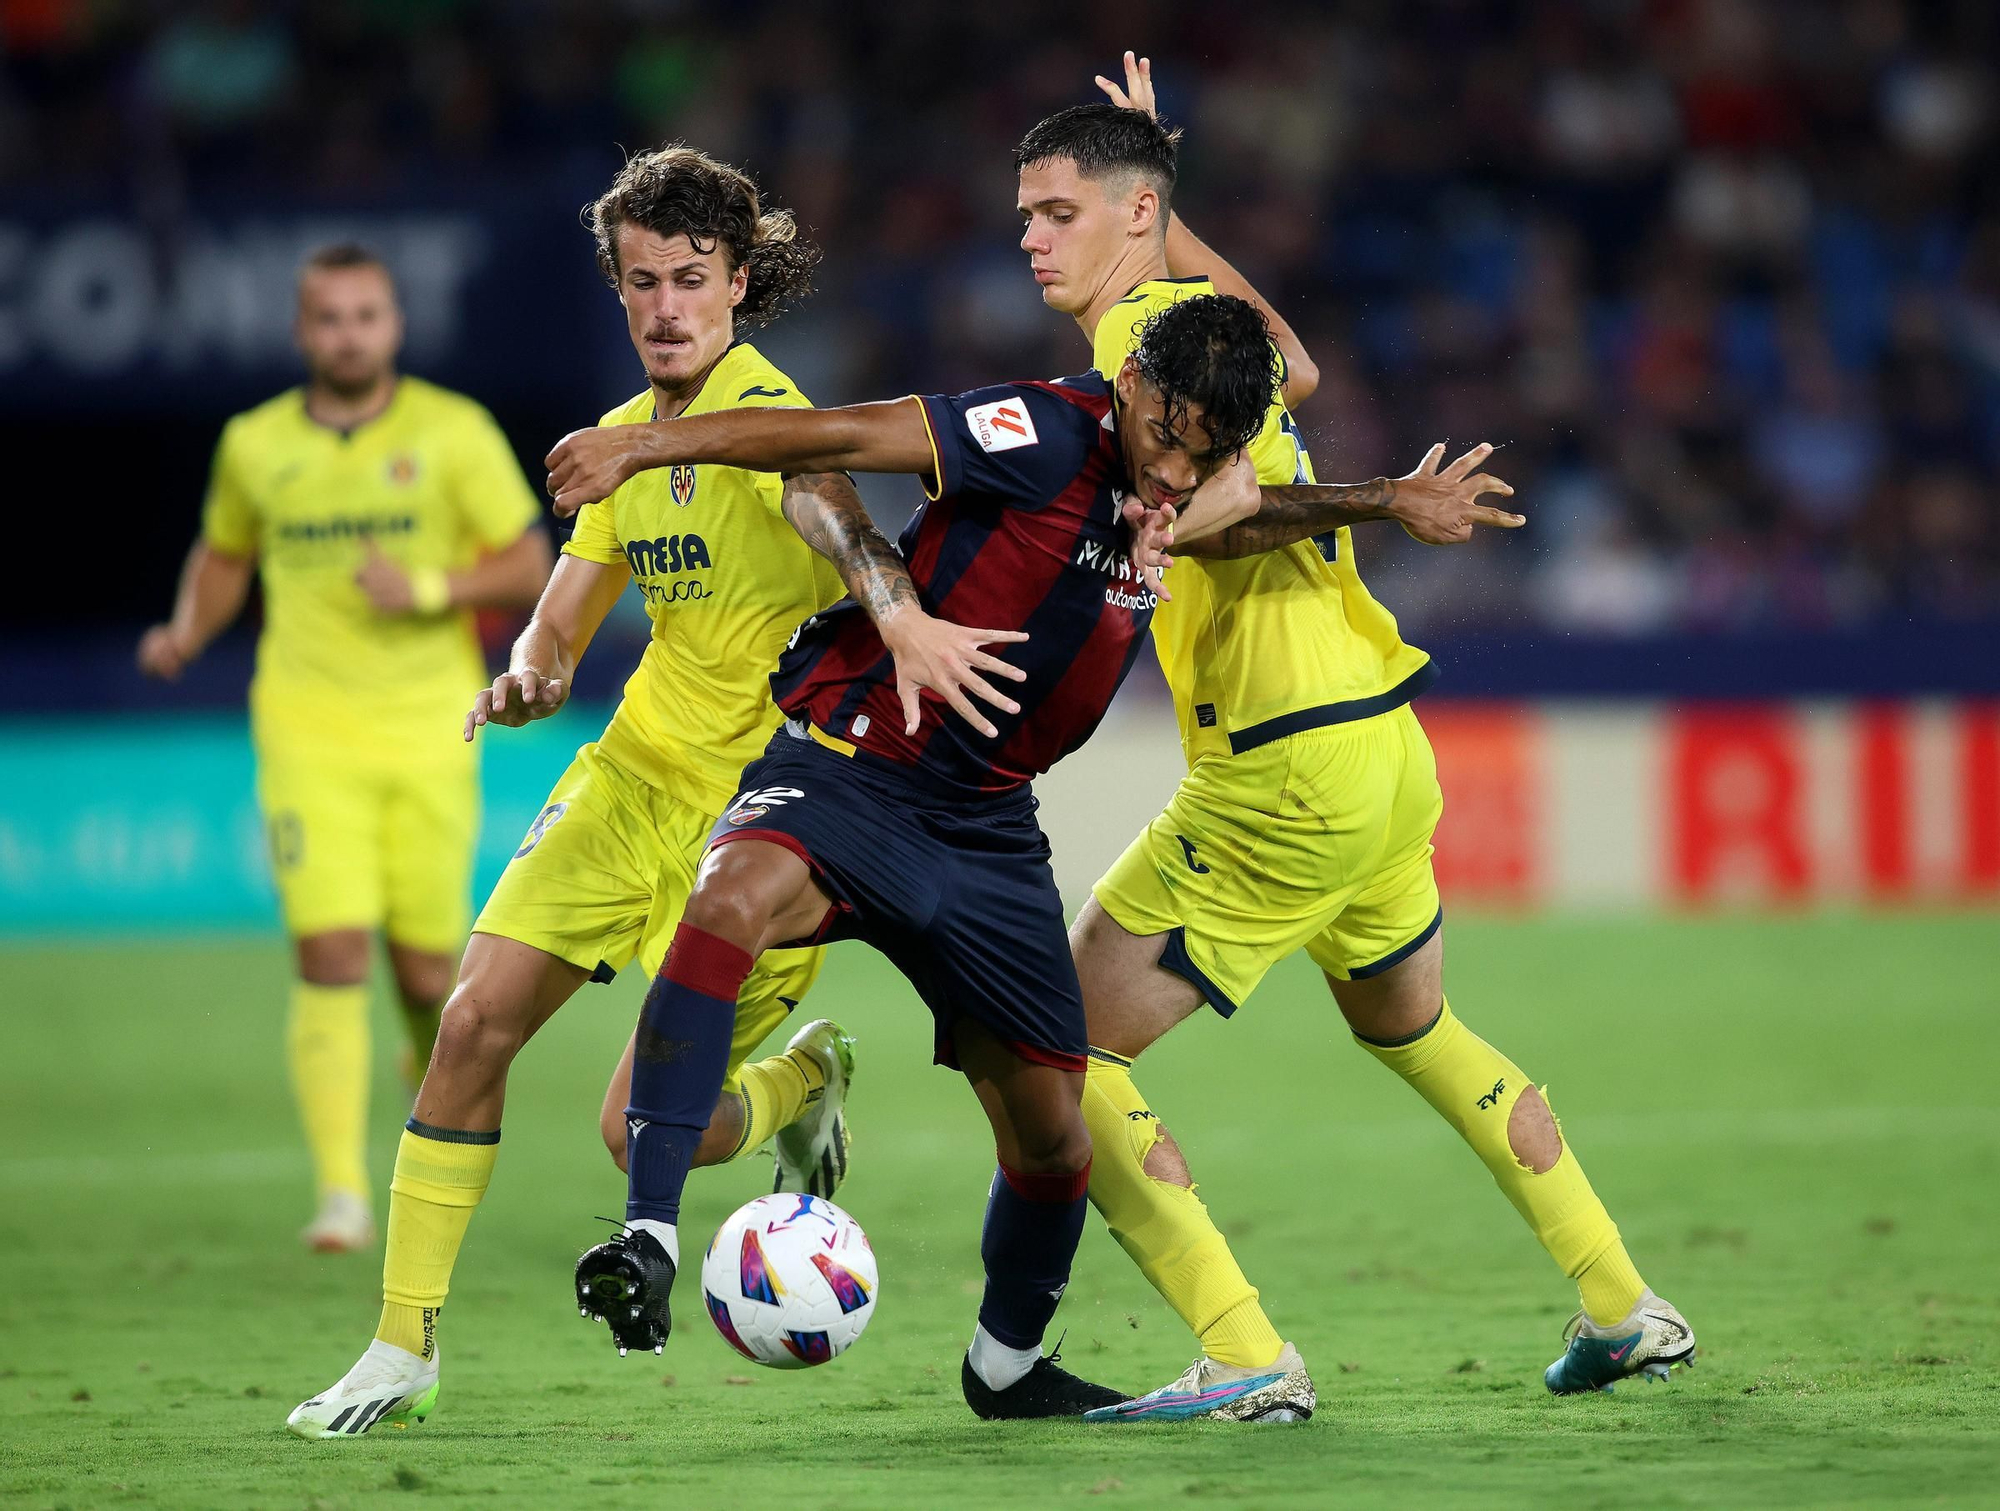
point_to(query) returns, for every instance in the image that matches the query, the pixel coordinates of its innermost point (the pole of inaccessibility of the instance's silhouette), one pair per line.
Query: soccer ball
(789, 1281)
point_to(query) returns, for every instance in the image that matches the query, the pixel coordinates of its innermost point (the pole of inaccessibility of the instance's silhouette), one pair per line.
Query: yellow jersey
(726, 581)
(1259, 647)
(432, 483)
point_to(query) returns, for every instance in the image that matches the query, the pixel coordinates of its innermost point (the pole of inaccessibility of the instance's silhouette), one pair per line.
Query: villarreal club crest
(681, 481)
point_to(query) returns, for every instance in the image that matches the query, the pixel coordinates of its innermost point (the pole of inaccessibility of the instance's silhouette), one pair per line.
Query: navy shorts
(956, 891)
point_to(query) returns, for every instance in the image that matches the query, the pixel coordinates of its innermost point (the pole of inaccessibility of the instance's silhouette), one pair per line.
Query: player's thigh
(779, 979)
(1252, 856)
(1129, 998)
(324, 816)
(1390, 933)
(506, 991)
(994, 949)
(581, 885)
(430, 836)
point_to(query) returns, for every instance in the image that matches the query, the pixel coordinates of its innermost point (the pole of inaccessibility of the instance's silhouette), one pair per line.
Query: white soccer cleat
(812, 1152)
(343, 1225)
(1650, 1339)
(1281, 1391)
(388, 1386)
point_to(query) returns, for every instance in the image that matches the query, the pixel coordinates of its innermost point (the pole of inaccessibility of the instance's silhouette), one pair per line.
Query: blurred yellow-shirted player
(1305, 819)
(604, 872)
(379, 511)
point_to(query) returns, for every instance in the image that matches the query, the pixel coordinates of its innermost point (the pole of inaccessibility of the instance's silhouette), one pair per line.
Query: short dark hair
(677, 190)
(339, 255)
(1213, 350)
(1103, 139)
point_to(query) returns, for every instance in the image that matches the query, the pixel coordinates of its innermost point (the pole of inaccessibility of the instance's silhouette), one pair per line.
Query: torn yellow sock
(1165, 1227)
(1476, 1089)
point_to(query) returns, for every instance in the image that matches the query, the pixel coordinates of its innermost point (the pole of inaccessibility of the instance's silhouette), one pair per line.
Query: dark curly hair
(1104, 139)
(1215, 351)
(677, 190)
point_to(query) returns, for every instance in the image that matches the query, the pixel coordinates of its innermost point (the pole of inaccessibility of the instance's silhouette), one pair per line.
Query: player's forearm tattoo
(830, 517)
(1298, 512)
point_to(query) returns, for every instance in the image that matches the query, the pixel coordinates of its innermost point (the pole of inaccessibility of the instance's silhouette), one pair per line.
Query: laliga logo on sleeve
(680, 481)
(1001, 425)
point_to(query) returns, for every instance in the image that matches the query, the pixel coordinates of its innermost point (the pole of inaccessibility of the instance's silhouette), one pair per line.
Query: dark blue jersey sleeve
(1017, 443)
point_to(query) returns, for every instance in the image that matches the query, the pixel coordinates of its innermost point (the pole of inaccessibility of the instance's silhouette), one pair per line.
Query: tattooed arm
(933, 653)
(1437, 508)
(826, 510)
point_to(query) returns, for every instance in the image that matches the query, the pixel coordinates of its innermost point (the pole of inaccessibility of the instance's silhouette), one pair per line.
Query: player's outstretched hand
(945, 658)
(587, 466)
(514, 699)
(162, 654)
(1443, 508)
(1152, 535)
(1138, 91)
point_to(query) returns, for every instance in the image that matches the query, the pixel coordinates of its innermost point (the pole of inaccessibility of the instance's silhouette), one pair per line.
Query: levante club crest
(681, 481)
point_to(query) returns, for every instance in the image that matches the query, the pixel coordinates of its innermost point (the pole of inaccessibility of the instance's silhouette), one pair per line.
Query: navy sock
(1033, 1223)
(679, 1058)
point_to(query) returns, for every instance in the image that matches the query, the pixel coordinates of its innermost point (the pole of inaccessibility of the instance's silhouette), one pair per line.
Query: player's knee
(729, 907)
(336, 958)
(1059, 1146)
(477, 1033)
(1165, 1162)
(1532, 1133)
(424, 984)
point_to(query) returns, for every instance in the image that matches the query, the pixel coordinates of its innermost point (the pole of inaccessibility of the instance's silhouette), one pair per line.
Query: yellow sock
(1164, 1227)
(774, 1093)
(1475, 1087)
(327, 1043)
(440, 1176)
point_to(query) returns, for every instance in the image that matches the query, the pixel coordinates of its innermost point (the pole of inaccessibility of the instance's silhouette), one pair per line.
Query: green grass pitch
(1795, 1122)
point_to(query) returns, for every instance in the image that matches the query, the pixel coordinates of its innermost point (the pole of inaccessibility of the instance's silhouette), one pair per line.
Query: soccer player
(1305, 818)
(878, 816)
(605, 869)
(379, 510)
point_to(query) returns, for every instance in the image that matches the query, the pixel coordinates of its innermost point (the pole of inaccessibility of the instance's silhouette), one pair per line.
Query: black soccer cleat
(627, 1283)
(1043, 1391)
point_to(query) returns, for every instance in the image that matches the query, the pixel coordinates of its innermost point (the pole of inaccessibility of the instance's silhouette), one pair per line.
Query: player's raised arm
(1188, 255)
(587, 465)
(930, 653)
(214, 586)
(1439, 508)
(542, 667)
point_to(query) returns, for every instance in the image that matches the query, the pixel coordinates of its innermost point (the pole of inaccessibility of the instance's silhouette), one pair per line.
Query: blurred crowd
(1722, 275)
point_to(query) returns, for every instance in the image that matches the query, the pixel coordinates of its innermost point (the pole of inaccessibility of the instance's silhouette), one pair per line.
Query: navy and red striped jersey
(1021, 533)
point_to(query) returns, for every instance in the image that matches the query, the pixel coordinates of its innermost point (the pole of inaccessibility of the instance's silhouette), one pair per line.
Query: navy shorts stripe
(1401, 953)
(1298, 722)
(1174, 957)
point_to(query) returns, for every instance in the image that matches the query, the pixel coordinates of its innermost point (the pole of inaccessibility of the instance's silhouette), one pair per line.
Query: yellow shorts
(367, 839)
(1321, 839)
(603, 876)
